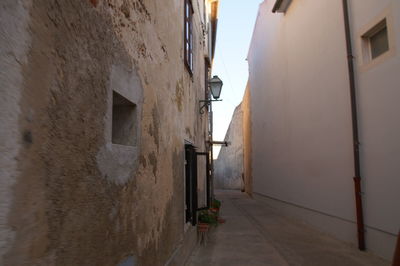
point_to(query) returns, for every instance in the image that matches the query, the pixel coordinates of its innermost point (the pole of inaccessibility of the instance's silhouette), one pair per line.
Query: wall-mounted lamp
(215, 84)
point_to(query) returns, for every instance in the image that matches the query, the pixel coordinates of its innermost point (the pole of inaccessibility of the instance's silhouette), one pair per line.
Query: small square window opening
(379, 43)
(124, 121)
(375, 41)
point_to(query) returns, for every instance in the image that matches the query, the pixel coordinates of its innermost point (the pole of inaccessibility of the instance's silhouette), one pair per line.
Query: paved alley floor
(255, 234)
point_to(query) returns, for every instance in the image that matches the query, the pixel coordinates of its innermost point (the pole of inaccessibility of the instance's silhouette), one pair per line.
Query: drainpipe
(356, 143)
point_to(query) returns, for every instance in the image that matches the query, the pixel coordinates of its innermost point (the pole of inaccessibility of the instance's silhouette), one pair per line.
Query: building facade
(228, 167)
(301, 115)
(98, 99)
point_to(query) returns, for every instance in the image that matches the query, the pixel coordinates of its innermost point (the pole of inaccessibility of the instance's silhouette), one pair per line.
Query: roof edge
(281, 6)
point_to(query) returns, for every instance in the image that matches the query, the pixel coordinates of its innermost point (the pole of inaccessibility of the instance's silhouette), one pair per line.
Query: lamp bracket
(222, 143)
(206, 103)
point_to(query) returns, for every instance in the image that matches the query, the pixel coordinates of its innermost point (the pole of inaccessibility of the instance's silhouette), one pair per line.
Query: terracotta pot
(214, 209)
(202, 227)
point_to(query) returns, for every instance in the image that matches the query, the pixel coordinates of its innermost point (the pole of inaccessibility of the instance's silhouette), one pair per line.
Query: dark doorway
(191, 183)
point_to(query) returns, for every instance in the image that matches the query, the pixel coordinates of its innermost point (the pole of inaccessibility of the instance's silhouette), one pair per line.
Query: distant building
(228, 167)
(301, 135)
(97, 101)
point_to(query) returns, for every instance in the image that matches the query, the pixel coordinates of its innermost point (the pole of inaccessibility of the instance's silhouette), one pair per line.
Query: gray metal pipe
(356, 143)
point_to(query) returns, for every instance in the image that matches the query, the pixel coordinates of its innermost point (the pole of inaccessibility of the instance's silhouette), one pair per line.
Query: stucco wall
(301, 120)
(69, 196)
(247, 127)
(228, 167)
(378, 90)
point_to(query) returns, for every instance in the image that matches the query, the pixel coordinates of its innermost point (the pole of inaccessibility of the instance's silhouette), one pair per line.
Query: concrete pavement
(255, 234)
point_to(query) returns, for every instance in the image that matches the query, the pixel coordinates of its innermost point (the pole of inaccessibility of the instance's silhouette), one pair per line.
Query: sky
(236, 19)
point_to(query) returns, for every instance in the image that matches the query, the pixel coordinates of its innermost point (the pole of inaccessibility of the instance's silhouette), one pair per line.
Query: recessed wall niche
(124, 121)
(117, 159)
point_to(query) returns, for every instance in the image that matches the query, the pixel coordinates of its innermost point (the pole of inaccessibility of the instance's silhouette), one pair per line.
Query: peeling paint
(125, 9)
(188, 132)
(142, 161)
(141, 8)
(179, 94)
(153, 161)
(156, 124)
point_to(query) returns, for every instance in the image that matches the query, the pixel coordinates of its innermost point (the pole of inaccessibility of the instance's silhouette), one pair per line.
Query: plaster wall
(301, 115)
(69, 196)
(301, 120)
(247, 131)
(378, 88)
(228, 168)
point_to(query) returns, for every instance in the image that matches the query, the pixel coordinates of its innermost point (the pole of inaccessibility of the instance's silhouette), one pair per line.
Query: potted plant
(216, 204)
(209, 217)
(206, 219)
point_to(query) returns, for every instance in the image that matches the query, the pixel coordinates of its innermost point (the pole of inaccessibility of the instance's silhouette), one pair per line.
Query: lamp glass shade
(215, 86)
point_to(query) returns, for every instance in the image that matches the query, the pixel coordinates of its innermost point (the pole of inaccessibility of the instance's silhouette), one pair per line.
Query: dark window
(375, 41)
(190, 184)
(379, 43)
(123, 121)
(188, 36)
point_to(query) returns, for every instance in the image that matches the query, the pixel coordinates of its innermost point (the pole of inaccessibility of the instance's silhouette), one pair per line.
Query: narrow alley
(257, 234)
(199, 132)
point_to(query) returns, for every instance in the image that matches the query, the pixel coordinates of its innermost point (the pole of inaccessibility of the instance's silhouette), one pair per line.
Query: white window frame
(364, 57)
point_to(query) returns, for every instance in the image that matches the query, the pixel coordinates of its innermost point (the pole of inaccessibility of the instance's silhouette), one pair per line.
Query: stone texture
(68, 196)
(15, 42)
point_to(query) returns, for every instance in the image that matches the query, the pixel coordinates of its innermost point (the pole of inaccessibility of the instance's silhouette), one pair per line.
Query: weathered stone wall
(228, 168)
(68, 195)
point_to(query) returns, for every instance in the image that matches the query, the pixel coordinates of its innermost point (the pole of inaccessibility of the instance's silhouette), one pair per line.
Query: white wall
(379, 109)
(301, 114)
(302, 137)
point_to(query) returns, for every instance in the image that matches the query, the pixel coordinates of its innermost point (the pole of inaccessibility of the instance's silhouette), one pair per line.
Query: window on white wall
(379, 43)
(376, 41)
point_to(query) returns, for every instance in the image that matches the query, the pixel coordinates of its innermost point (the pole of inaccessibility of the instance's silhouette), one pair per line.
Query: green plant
(208, 217)
(216, 204)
